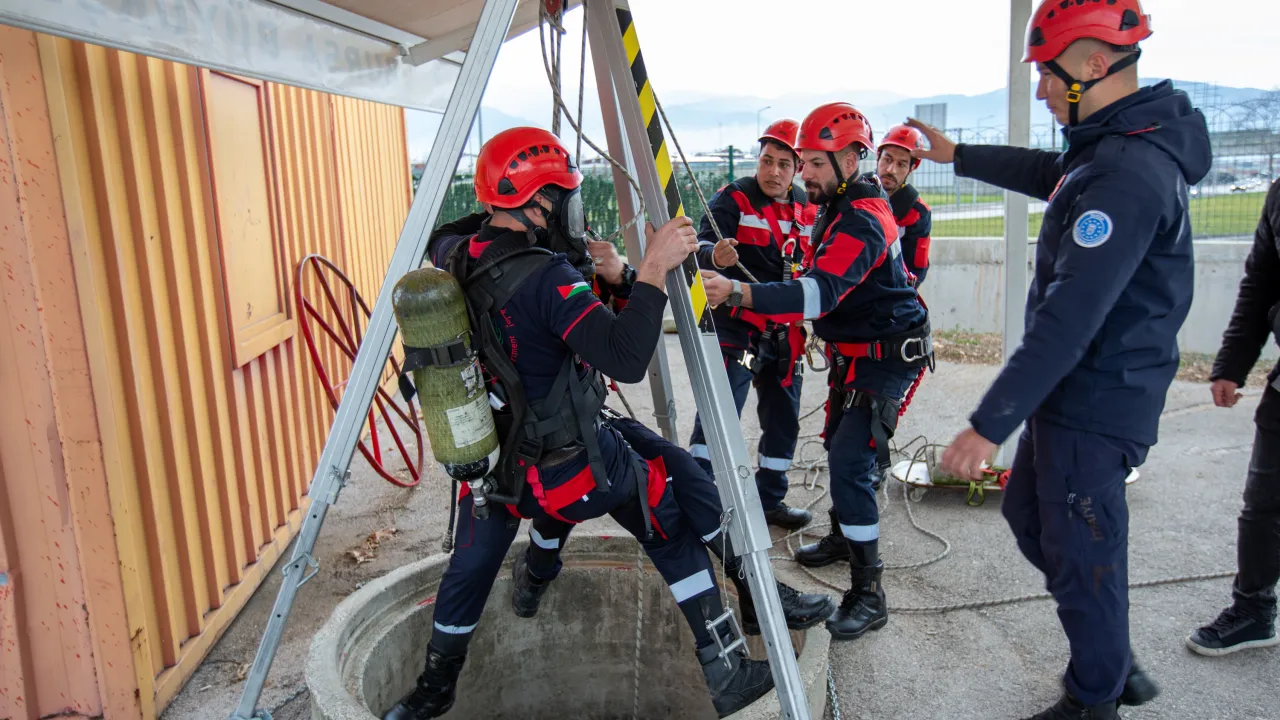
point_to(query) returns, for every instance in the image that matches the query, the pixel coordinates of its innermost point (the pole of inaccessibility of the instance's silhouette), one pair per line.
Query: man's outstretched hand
(941, 148)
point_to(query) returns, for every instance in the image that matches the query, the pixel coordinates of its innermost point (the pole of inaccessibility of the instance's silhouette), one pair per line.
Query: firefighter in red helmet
(1114, 271)
(861, 302)
(896, 158)
(545, 342)
(765, 222)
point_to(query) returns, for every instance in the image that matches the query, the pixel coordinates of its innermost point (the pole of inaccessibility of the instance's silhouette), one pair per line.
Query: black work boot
(787, 517)
(833, 547)
(734, 681)
(802, 610)
(526, 590)
(863, 607)
(435, 691)
(737, 684)
(1139, 688)
(1069, 708)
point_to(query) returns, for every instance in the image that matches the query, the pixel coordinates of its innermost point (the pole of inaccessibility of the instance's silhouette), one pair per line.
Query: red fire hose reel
(348, 311)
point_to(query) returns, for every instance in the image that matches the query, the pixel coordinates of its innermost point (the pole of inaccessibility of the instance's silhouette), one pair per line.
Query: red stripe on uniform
(657, 486)
(879, 209)
(568, 492)
(756, 237)
(922, 252)
(840, 253)
(578, 319)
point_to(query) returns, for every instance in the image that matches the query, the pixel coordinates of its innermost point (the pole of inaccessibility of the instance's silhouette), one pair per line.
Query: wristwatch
(628, 275)
(735, 295)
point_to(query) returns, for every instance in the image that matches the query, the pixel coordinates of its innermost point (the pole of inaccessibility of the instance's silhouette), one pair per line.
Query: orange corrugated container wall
(159, 418)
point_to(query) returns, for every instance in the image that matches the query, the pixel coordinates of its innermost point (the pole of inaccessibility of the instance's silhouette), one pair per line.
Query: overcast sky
(918, 48)
(768, 47)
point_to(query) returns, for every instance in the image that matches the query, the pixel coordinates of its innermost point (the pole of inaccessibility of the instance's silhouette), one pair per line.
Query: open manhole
(578, 658)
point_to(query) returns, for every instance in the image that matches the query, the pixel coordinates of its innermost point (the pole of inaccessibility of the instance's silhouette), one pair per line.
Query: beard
(820, 194)
(889, 183)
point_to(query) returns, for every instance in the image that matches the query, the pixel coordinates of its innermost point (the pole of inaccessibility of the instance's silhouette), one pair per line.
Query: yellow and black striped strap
(666, 173)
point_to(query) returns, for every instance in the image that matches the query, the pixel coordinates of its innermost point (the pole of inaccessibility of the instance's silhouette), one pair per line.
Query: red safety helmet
(516, 163)
(783, 131)
(834, 127)
(1056, 24)
(905, 137)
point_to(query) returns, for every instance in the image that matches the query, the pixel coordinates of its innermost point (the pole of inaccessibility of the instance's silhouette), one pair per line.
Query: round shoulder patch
(1092, 229)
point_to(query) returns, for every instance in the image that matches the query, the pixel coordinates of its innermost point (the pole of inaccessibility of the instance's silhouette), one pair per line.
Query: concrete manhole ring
(576, 659)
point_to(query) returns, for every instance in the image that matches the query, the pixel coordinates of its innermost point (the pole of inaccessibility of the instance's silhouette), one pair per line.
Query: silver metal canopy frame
(1015, 204)
(371, 357)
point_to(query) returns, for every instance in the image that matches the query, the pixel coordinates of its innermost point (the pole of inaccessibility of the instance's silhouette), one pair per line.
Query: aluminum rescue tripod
(634, 137)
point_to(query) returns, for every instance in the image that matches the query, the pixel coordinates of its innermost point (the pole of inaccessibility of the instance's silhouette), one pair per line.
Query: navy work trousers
(778, 409)
(1065, 503)
(851, 451)
(676, 547)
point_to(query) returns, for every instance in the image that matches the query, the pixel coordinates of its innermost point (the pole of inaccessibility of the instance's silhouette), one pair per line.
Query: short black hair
(780, 146)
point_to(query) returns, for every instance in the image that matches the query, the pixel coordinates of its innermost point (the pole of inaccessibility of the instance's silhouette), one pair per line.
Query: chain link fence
(598, 196)
(1226, 204)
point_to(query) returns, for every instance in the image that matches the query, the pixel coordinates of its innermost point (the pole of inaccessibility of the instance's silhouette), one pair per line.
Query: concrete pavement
(999, 663)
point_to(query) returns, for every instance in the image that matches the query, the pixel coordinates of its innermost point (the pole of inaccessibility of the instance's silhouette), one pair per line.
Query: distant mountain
(707, 121)
(988, 109)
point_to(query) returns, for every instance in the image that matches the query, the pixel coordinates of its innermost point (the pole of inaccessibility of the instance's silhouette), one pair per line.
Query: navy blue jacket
(857, 289)
(915, 223)
(1114, 267)
(741, 211)
(552, 315)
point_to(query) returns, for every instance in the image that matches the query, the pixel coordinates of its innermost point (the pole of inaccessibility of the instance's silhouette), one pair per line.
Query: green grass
(1226, 215)
(1215, 216)
(982, 227)
(934, 199)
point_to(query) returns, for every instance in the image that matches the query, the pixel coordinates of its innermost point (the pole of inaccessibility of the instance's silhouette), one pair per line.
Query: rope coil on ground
(818, 465)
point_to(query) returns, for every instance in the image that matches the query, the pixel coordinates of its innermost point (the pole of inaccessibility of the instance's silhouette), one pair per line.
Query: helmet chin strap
(521, 214)
(841, 185)
(1077, 88)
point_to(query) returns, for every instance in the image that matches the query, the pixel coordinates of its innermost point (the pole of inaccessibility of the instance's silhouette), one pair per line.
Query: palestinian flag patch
(568, 291)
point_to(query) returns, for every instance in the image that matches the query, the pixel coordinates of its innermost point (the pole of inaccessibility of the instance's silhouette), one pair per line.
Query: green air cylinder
(432, 314)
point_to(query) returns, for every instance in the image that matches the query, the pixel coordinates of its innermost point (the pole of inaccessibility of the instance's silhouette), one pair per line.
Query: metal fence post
(1016, 204)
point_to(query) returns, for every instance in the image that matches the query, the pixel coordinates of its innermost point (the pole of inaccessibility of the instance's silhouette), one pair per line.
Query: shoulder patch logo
(1092, 229)
(568, 291)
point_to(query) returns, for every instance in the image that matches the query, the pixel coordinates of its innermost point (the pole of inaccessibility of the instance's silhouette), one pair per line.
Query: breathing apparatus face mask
(566, 230)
